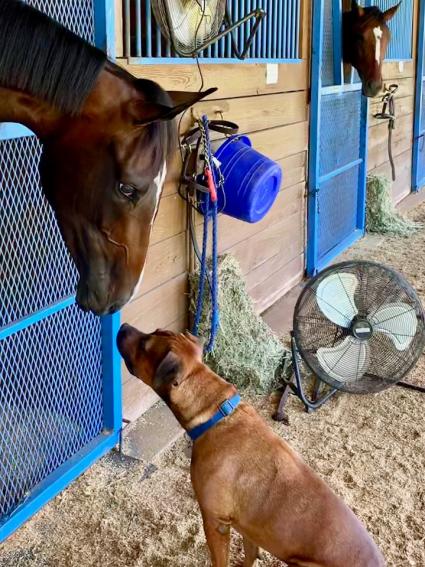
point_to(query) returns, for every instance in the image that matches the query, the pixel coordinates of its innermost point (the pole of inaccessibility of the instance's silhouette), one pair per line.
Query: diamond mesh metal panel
(50, 399)
(328, 47)
(338, 209)
(51, 372)
(339, 130)
(35, 267)
(76, 15)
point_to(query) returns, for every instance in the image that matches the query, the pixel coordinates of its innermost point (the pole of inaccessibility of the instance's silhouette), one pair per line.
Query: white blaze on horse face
(378, 33)
(159, 184)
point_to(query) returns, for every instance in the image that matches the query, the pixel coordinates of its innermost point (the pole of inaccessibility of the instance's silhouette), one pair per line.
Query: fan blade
(398, 321)
(335, 297)
(346, 362)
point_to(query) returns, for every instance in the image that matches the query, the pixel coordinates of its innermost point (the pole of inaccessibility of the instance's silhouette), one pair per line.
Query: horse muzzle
(98, 300)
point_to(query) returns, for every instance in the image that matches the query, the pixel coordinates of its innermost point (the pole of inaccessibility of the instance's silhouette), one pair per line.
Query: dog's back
(267, 493)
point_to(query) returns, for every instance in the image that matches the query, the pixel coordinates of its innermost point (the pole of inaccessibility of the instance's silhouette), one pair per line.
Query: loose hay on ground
(370, 449)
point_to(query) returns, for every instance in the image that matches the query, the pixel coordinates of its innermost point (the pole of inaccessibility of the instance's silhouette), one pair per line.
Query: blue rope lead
(209, 211)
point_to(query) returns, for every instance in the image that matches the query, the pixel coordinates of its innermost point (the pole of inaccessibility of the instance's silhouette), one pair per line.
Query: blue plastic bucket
(251, 180)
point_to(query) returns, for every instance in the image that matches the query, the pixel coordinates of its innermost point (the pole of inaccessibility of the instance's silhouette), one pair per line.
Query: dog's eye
(127, 191)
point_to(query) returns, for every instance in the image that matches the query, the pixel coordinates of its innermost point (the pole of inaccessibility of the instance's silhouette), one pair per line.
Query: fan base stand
(294, 386)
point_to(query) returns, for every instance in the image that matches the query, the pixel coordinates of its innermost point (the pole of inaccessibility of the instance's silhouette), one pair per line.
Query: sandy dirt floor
(370, 449)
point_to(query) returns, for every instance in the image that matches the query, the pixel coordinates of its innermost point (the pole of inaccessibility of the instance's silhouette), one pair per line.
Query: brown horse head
(103, 172)
(365, 40)
(106, 138)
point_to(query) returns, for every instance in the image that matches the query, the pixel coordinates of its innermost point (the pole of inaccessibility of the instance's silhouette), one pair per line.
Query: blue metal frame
(418, 179)
(314, 262)
(112, 412)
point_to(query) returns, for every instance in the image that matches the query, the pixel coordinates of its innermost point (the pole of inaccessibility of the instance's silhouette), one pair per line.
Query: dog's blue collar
(225, 409)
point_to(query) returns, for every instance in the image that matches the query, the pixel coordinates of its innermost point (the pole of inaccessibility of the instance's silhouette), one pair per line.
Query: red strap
(211, 185)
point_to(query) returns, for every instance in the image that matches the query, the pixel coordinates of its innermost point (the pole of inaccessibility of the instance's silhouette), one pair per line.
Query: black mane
(42, 58)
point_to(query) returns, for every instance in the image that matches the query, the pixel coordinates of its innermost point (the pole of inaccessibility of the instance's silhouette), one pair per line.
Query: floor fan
(359, 327)
(193, 25)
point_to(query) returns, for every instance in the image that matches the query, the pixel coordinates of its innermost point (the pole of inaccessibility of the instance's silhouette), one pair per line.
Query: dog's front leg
(252, 552)
(218, 540)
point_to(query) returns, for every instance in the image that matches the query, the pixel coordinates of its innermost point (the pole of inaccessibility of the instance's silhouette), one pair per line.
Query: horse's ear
(146, 112)
(356, 8)
(391, 12)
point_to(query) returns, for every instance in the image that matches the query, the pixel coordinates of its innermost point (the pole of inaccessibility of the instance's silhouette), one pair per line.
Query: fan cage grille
(377, 285)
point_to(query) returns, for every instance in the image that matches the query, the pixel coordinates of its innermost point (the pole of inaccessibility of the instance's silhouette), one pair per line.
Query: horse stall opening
(60, 391)
(338, 144)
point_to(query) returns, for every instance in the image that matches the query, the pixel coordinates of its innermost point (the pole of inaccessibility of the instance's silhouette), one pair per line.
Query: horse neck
(38, 116)
(109, 91)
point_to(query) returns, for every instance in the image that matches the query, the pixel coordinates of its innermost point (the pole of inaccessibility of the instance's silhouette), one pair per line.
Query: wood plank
(171, 218)
(165, 260)
(254, 113)
(378, 141)
(404, 107)
(232, 231)
(402, 185)
(392, 71)
(160, 306)
(273, 288)
(282, 142)
(233, 80)
(285, 238)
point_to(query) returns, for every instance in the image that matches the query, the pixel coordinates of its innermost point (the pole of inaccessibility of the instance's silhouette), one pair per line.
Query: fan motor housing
(361, 329)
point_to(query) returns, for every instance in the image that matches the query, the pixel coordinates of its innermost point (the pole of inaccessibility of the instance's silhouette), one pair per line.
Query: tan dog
(243, 474)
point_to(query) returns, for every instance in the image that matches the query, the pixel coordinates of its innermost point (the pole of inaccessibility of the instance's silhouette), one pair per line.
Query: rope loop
(210, 212)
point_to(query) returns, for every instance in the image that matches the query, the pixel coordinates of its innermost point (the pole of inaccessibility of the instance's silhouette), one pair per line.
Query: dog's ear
(169, 371)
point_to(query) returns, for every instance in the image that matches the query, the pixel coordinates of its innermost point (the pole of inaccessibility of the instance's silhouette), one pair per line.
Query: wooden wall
(403, 74)
(271, 252)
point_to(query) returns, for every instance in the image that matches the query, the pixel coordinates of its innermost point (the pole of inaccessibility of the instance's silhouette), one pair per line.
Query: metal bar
(362, 190)
(148, 13)
(284, 29)
(11, 130)
(279, 38)
(419, 110)
(112, 411)
(207, 60)
(104, 30)
(315, 114)
(342, 169)
(139, 27)
(337, 42)
(35, 317)
(340, 89)
(127, 26)
(57, 481)
(298, 31)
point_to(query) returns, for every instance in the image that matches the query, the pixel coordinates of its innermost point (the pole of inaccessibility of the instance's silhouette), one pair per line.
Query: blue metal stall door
(418, 174)
(60, 404)
(338, 136)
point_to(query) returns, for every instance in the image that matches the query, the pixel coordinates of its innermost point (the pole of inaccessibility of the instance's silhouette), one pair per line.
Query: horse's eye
(127, 191)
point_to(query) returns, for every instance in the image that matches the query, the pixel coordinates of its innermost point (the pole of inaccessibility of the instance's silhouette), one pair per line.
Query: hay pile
(381, 214)
(247, 352)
